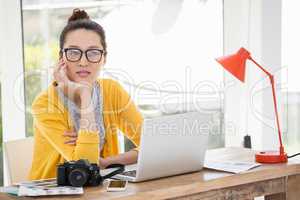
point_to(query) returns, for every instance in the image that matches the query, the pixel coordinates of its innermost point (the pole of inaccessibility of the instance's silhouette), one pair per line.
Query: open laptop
(170, 145)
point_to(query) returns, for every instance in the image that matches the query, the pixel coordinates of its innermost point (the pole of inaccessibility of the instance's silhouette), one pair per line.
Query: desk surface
(195, 183)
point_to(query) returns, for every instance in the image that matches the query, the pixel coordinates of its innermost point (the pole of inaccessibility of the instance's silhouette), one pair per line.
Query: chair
(18, 157)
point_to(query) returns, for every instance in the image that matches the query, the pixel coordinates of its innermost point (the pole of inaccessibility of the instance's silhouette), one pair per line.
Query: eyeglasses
(75, 54)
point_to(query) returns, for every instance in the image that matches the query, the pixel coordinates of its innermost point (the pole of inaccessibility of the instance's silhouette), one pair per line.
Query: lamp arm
(271, 77)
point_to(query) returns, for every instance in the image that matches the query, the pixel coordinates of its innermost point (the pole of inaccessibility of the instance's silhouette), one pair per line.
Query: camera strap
(120, 169)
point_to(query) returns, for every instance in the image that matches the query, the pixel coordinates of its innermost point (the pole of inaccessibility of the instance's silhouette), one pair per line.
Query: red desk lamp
(236, 64)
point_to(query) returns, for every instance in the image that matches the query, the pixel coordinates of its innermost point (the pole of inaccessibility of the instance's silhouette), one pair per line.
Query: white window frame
(12, 73)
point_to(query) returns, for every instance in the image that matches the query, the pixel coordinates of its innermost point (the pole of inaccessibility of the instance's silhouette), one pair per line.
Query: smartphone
(116, 185)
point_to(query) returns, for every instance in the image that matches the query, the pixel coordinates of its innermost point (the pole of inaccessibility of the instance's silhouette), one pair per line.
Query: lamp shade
(235, 63)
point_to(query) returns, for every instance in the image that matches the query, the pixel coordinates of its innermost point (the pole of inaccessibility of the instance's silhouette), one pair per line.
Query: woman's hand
(70, 88)
(59, 73)
(104, 162)
(78, 92)
(126, 158)
(72, 137)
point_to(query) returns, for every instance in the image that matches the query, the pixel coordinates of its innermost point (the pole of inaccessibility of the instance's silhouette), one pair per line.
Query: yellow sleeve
(52, 124)
(129, 118)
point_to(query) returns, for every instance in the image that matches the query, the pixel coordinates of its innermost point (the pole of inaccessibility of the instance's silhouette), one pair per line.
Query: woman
(79, 115)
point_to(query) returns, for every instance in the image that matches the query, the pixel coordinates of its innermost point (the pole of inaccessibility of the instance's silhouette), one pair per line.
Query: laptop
(170, 145)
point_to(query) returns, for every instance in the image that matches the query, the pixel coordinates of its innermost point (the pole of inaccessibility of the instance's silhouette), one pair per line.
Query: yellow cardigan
(51, 119)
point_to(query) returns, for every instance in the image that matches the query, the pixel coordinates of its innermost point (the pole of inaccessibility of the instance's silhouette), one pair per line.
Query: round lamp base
(270, 157)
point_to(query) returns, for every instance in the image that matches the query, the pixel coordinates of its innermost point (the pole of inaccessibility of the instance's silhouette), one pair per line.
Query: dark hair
(81, 20)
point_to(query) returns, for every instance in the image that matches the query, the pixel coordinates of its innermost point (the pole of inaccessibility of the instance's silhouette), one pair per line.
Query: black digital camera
(82, 173)
(78, 173)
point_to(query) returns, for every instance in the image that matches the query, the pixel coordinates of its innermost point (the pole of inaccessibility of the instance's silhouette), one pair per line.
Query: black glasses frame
(65, 50)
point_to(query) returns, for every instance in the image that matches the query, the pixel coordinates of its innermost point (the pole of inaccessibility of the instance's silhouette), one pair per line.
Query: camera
(78, 173)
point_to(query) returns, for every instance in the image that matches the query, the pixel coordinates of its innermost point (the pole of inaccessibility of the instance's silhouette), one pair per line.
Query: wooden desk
(275, 182)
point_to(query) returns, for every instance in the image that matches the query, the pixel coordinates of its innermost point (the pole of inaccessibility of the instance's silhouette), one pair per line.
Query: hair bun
(78, 15)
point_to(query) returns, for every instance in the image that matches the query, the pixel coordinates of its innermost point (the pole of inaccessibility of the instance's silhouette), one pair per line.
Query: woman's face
(83, 69)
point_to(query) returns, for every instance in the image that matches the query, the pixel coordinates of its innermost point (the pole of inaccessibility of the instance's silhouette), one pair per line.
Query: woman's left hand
(72, 137)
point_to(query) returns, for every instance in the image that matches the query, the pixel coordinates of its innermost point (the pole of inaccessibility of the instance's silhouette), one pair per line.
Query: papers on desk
(41, 188)
(233, 167)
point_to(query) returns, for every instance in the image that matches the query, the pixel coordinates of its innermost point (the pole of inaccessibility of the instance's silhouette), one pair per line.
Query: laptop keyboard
(129, 173)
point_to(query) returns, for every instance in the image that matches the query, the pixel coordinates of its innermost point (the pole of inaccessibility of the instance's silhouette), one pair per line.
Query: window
(166, 48)
(154, 45)
(162, 52)
(151, 39)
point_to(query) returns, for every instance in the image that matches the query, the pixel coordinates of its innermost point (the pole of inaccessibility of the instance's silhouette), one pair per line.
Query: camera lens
(78, 177)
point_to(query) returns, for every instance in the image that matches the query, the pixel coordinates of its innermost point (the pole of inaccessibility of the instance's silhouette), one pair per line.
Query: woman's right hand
(70, 88)
(59, 73)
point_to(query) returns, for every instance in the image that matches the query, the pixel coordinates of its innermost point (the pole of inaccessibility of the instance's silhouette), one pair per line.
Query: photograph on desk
(172, 98)
(47, 187)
